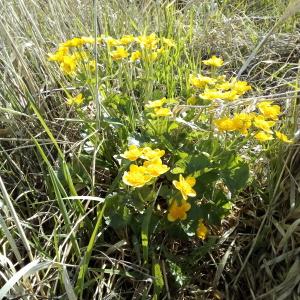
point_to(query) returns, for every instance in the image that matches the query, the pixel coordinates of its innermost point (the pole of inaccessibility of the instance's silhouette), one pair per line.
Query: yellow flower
(214, 62)
(268, 110)
(211, 94)
(136, 176)
(59, 54)
(127, 39)
(111, 42)
(135, 55)
(178, 212)
(261, 123)
(202, 231)
(225, 124)
(133, 153)
(119, 54)
(148, 41)
(77, 100)
(200, 81)
(68, 65)
(242, 122)
(241, 87)
(185, 186)
(168, 42)
(88, 40)
(75, 42)
(281, 136)
(225, 86)
(156, 103)
(155, 167)
(162, 111)
(263, 136)
(149, 154)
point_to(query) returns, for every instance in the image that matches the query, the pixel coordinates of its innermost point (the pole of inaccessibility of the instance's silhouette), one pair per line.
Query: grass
(54, 181)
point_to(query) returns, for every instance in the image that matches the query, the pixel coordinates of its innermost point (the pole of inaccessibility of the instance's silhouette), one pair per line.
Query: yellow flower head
(261, 123)
(149, 154)
(111, 42)
(136, 177)
(68, 65)
(127, 39)
(263, 136)
(226, 124)
(224, 86)
(201, 81)
(148, 41)
(75, 42)
(155, 167)
(156, 103)
(214, 61)
(281, 136)
(185, 186)
(133, 153)
(136, 55)
(77, 100)
(242, 122)
(211, 94)
(178, 212)
(241, 87)
(268, 110)
(202, 231)
(162, 111)
(229, 95)
(59, 54)
(119, 53)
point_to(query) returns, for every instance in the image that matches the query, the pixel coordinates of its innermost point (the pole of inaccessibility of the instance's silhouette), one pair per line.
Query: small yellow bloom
(136, 55)
(214, 61)
(281, 136)
(149, 154)
(59, 54)
(230, 95)
(111, 42)
(261, 123)
(241, 87)
(75, 42)
(202, 231)
(148, 41)
(211, 94)
(178, 212)
(268, 110)
(68, 65)
(185, 186)
(201, 81)
(127, 39)
(88, 40)
(155, 167)
(224, 86)
(156, 103)
(263, 136)
(225, 124)
(133, 153)
(77, 100)
(119, 53)
(242, 122)
(136, 177)
(162, 111)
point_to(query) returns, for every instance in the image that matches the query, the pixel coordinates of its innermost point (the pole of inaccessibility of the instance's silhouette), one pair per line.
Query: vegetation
(142, 157)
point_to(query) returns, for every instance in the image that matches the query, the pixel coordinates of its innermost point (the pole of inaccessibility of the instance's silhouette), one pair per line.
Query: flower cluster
(152, 167)
(158, 109)
(73, 55)
(261, 122)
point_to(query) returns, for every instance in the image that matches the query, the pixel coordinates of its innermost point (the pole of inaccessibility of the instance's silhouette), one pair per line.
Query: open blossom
(119, 53)
(133, 153)
(268, 110)
(214, 61)
(263, 136)
(185, 186)
(136, 55)
(202, 231)
(201, 81)
(68, 65)
(241, 87)
(281, 136)
(242, 122)
(77, 100)
(59, 54)
(162, 111)
(178, 212)
(127, 39)
(225, 124)
(136, 177)
(261, 123)
(156, 103)
(150, 154)
(155, 167)
(148, 41)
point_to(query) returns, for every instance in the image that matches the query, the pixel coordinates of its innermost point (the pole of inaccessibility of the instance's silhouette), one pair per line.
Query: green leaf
(158, 279)
(177, 273)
